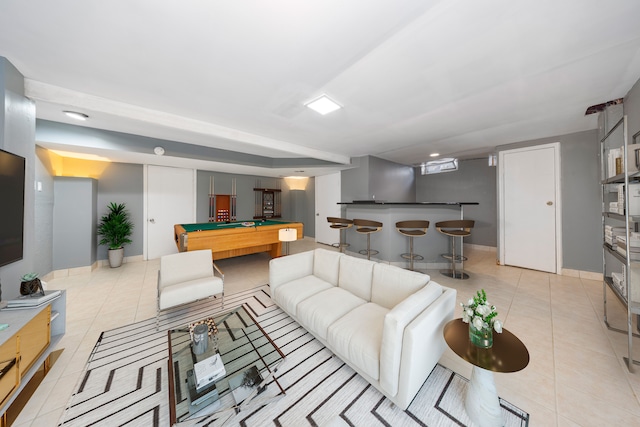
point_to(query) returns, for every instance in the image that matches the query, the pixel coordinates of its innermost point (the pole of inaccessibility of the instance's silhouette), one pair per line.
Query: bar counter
(390, 243)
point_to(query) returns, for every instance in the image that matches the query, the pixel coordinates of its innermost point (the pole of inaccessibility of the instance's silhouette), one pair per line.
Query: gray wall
(43, 213)
(123, 183)
(580, 196)
(632, 110)
(74, 216)
(295, 203)
(372, 178)
(474, 181)
(17, 129)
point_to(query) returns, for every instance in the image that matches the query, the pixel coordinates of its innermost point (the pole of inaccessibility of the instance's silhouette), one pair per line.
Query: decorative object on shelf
(115, 228)
(31, 284)
(482, 319)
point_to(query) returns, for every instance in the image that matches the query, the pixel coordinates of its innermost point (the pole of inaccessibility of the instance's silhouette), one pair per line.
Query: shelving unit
(267, 203)
(621, 263)
(222, 207)
(25, 346)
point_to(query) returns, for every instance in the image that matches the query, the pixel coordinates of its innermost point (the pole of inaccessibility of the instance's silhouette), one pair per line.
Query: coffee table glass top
(249, 357)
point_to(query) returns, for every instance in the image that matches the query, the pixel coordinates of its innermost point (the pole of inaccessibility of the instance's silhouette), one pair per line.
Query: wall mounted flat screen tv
(12, 170)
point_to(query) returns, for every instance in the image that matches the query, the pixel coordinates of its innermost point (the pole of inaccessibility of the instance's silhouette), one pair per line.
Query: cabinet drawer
(8, 368)
(34, 338)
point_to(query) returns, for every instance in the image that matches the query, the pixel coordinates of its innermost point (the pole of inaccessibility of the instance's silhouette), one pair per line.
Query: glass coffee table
(250, 360)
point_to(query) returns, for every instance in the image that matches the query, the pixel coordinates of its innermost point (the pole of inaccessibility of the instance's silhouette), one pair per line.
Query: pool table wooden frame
(235, 241)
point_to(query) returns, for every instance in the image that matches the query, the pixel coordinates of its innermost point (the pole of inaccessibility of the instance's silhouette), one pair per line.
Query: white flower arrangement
(480, 313)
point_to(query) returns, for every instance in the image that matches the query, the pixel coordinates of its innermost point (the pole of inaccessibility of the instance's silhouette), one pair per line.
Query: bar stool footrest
(370, 252)
(450, 256)
(415, 256)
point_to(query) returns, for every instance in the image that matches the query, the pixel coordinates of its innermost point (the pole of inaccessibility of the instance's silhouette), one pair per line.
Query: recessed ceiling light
(76, 115)
(434, 154)
(159, 151)
(323, 105)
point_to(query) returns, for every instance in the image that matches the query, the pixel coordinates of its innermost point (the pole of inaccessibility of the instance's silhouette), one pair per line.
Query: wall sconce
(287, 235)
(296, 182)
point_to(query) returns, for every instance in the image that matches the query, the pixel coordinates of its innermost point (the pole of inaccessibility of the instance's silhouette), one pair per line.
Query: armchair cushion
(187, 277)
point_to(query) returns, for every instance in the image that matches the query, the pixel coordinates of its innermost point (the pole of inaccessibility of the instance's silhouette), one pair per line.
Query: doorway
(169, 200)
(529, 208)
(328, 195)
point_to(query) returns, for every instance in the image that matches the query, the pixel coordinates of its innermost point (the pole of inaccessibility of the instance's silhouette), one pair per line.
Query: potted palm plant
(115, 229)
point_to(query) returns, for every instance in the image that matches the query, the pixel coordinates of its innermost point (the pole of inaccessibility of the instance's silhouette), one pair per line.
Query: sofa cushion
(289, 295)
(395, 322)
(355, 276)
(189, 291)
(319, 311)
(391, 284)
(357, 336)
(287, 268)
(326, 265)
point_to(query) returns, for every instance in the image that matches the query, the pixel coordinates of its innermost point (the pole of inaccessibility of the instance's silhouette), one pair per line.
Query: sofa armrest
(287, 268)
(395, 323)
(423, 345)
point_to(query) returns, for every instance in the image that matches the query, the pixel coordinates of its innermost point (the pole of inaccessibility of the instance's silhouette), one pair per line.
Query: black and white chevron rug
(125, 382)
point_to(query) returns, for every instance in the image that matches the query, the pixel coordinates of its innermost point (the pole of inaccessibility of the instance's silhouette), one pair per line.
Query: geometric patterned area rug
(125, 381)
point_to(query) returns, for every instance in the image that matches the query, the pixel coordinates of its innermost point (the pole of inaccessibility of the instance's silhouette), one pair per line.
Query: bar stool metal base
(455, 274)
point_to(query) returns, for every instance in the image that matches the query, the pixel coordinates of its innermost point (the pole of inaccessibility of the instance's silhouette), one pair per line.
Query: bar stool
(367, 226)
(341, 224)
(411, 229)
(455, 228)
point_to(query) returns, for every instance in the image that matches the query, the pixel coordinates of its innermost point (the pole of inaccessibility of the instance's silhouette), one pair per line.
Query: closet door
(529, 181)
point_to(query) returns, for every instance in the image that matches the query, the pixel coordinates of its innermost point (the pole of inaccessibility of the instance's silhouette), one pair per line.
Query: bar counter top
(381, 202)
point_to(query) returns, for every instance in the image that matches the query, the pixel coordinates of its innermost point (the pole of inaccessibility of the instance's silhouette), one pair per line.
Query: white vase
(115, 257)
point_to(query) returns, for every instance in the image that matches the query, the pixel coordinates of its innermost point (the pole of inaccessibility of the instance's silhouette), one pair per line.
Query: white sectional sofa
(383, 321)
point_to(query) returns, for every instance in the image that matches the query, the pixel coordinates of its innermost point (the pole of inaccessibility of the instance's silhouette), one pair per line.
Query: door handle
(152, 221)
(549, 203)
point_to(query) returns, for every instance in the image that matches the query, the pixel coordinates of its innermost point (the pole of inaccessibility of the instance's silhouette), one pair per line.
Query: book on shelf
(245, 384)
(33, 300)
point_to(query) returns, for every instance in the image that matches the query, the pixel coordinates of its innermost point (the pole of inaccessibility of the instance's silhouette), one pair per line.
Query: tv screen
(12, 169)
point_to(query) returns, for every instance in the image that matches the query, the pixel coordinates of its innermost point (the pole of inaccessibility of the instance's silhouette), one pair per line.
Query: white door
(529, 181)
(170, 194)
(327, 198)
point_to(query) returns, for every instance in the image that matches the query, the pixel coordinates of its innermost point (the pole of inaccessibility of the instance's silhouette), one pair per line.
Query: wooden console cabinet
(26, 344)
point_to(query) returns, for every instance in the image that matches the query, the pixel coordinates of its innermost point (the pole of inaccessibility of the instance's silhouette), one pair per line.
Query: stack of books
(610, 234)
(619, 283)
(200, 397)
(630, 250)
(208, 371)
(33, 300)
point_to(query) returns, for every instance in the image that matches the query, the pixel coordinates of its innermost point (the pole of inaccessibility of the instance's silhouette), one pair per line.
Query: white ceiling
(457, 77)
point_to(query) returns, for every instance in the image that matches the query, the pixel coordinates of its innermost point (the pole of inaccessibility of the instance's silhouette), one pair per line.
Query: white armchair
(187, 277)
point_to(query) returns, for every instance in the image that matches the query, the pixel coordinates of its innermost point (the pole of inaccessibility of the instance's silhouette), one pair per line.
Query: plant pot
(30, 287)
(115, 257)
(482, 338)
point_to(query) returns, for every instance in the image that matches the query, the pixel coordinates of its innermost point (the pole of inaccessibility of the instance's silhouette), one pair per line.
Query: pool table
(236, 238)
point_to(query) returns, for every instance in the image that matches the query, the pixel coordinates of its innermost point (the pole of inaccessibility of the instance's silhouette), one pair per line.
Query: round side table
(508, 354)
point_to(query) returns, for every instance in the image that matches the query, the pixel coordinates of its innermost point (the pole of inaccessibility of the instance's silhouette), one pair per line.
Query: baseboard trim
(588, 275)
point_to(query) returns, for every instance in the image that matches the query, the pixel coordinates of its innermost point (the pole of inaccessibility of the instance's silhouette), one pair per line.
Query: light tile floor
(576, 376)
